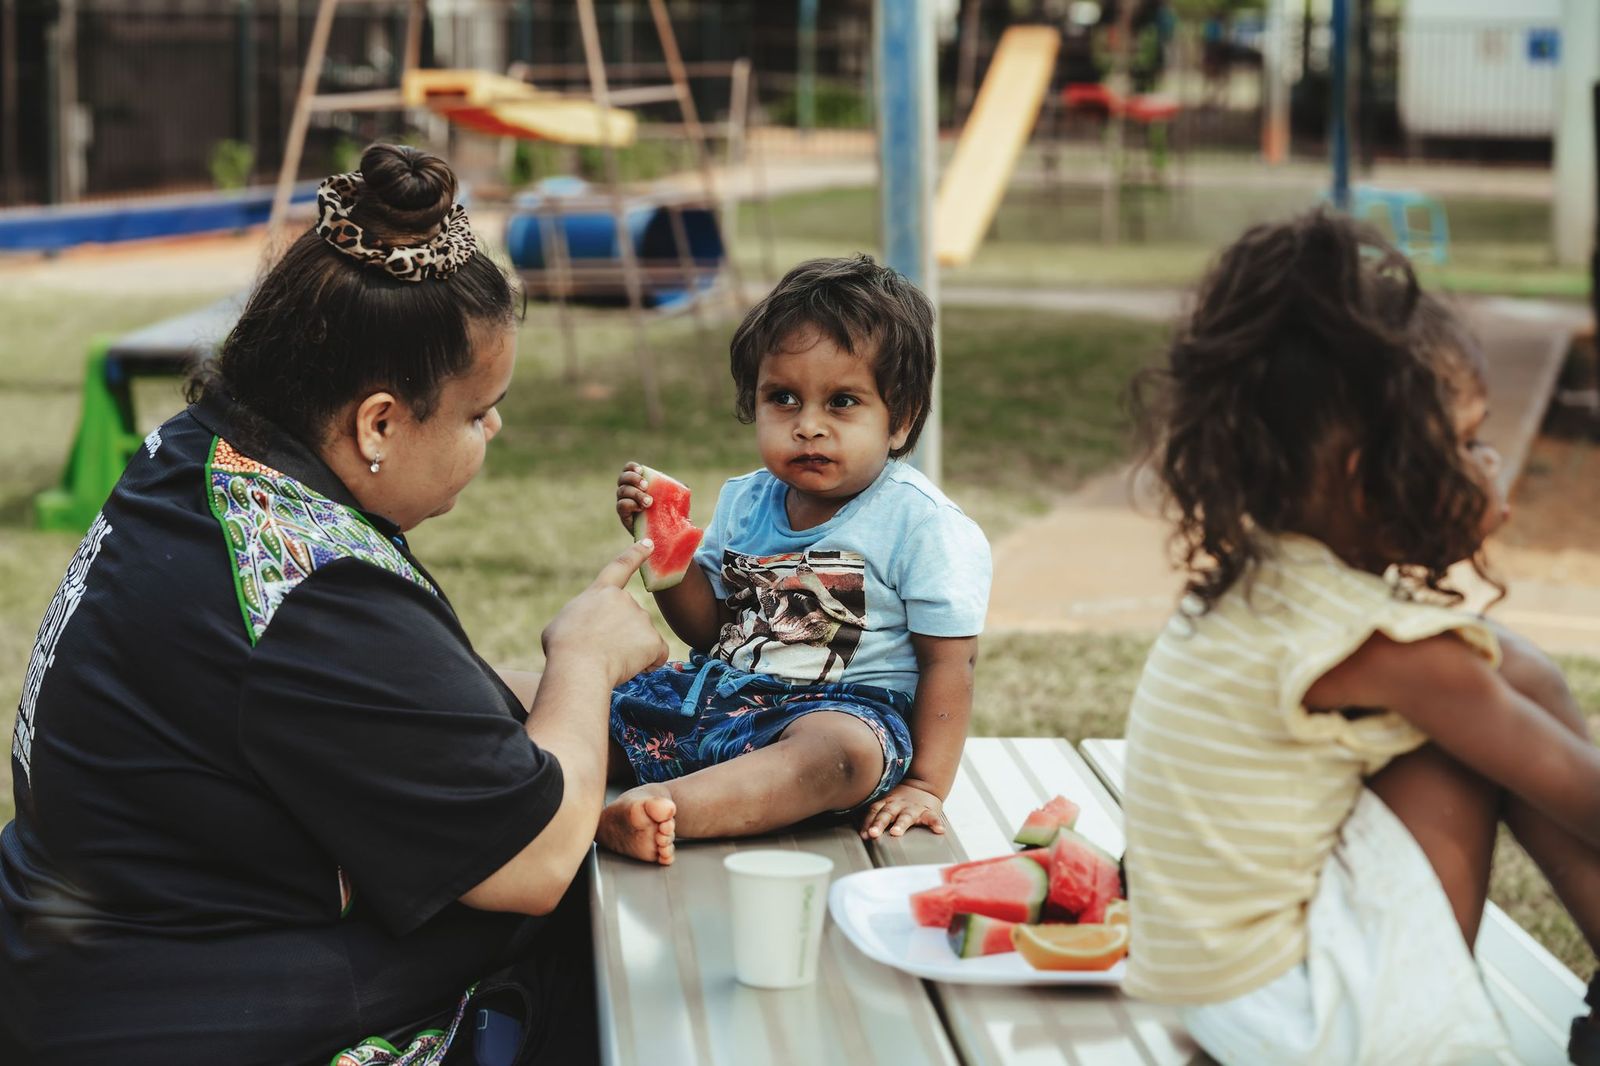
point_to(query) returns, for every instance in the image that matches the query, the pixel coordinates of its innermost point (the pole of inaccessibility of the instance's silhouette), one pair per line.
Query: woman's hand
(605, 624)
(631, 495)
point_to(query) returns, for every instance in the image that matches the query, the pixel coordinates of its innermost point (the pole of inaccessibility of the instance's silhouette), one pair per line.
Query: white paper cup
(779, 901)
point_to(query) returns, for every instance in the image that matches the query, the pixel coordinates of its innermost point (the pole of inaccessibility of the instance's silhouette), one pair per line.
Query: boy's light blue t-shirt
(839, 601)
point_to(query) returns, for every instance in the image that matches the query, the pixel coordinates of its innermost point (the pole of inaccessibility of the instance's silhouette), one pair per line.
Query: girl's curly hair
(1303, 349)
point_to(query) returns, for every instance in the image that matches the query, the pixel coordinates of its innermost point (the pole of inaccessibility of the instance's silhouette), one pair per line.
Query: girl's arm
(1471, 711)
(939, 715)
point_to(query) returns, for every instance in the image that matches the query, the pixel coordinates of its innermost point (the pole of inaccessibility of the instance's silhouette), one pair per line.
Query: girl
(1320, 747)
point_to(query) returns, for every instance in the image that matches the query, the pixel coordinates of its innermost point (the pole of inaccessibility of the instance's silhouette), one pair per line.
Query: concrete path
(1100, 560)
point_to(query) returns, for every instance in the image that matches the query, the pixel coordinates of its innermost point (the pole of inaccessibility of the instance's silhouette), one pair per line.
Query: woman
(269, 801)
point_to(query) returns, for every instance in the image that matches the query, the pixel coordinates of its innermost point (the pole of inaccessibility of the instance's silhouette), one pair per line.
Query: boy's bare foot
(640, 824)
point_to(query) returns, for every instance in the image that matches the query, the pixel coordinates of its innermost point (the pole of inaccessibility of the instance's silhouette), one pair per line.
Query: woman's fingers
(619, 571)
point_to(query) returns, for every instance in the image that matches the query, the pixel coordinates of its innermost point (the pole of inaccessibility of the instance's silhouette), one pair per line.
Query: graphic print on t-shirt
(797, 616)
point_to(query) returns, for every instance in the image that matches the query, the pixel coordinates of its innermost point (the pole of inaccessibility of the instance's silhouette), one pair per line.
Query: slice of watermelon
(959, 871)
(934, 907)
(972, 935)
(1040, 827)
(1083, 879)
(666, 521)
(1013, 890)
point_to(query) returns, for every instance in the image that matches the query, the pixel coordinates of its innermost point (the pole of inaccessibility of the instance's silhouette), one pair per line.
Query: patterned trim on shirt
(279, 531)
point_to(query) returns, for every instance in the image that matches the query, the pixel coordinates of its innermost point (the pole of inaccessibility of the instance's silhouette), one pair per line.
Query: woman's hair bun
(409, 191)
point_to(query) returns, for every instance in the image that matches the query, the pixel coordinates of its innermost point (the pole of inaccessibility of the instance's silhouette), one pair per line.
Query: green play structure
(108, 431)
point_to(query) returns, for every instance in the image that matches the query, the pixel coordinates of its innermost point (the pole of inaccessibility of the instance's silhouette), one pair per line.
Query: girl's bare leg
(1571, 865)
(1452, 812)
(825, 761)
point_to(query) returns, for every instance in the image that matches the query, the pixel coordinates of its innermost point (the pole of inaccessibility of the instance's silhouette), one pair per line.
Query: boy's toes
(639, 824)
(658, 809)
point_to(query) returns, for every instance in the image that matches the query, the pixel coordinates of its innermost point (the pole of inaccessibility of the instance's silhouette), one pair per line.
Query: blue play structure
(1399, 207)
(564, 236)
(51, 229)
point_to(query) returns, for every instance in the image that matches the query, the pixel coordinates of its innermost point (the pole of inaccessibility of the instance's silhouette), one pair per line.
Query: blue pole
(903, 57)
(1339, 118)
(806, 91)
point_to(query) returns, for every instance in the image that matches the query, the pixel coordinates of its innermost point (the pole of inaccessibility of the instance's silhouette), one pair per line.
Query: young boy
(836, 601)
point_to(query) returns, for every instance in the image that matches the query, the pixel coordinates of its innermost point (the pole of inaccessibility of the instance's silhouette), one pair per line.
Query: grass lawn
(1032, 409)
(1047, 237)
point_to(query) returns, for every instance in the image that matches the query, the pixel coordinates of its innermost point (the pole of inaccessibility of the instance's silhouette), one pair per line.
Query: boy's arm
(691, 607)
(939, 714)
(693, 610)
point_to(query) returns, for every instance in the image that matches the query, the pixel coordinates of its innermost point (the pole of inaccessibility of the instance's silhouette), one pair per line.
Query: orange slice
(1117, 912)
(1059, 946)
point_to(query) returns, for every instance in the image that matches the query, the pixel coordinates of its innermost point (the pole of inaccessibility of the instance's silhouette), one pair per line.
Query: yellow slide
(999, 125)
(506, 107)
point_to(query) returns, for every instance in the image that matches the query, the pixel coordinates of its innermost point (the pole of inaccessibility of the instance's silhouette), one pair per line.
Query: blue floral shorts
(687, 716)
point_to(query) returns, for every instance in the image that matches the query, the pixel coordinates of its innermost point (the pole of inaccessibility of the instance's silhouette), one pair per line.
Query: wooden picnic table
(664, 952)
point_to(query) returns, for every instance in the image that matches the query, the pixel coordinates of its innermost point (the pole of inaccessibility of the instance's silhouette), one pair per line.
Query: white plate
(871, 907)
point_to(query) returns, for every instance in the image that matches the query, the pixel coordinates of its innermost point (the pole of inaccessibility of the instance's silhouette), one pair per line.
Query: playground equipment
(564, 240)
(52, 229)
(510, 107)
(108, 433)
(503, 106)
(991, 140)
(1398, 206)
(1151, 112)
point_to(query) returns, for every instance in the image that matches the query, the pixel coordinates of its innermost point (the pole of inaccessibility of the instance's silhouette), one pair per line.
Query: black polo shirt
(256, 763)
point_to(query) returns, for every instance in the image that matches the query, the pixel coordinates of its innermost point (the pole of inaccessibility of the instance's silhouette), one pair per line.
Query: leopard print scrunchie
(438, 257)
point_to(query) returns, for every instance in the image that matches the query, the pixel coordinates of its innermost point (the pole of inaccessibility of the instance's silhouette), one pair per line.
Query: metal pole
(8, 102)
(1571, 216)
(806, 91)
(967, 65)
(907, 113)
(1275, 131)
(601, 92)
(295, 143)
(247, 103)
(1339, 114)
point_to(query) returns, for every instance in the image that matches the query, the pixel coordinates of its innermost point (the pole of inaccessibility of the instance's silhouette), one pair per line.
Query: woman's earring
(375, 462)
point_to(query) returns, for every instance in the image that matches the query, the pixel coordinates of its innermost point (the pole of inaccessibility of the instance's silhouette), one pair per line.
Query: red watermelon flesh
(1041, 826)
(934, 907)
(959, 871)
(1083, 879)
(666, 521)
(1013, 890)
(972, 935)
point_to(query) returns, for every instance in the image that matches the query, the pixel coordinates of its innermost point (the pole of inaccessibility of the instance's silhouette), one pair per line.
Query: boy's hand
(906, 805)
(631, 495)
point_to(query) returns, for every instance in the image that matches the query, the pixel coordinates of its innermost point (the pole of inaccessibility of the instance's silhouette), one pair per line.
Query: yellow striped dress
(1235, 792)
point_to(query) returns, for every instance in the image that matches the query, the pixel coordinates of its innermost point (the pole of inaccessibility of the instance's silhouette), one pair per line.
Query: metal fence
(118, 97)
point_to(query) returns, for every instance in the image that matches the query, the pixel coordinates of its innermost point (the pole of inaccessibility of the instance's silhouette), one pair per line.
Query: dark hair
(322, 329)
(1302, 350)
(866, 309)
(1443, 338)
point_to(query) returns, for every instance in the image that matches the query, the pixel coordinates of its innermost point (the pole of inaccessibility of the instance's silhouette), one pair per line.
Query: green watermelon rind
(655, 581)
(1043, 833)
(1033, 872)
(967, 932)
(1091, 845)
